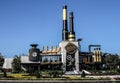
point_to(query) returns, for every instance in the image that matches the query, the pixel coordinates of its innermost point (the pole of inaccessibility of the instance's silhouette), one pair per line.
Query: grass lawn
(27, 76)
(1, 75)
(21, 76)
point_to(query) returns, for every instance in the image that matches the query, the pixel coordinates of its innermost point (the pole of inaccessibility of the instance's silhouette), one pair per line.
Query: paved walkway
(69, 81)
(106, 76)
(58, 81)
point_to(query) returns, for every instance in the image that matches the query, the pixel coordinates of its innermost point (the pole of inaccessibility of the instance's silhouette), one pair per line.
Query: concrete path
(58, 81)
(106, 76)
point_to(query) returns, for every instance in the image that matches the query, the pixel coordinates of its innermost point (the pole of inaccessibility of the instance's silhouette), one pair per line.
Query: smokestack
(71, 22)
(65, 28)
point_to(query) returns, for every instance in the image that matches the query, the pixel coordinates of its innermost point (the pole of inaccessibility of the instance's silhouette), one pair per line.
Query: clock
(34, 54)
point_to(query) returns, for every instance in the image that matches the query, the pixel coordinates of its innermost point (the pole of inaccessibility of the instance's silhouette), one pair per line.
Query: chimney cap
(71, 14)
(65, 7)
(34, 45)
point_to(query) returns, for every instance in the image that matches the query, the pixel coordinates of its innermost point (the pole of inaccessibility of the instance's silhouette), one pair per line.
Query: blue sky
(23, 22)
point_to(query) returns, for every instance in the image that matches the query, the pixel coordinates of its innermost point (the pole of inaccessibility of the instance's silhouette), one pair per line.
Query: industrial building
(67, 56)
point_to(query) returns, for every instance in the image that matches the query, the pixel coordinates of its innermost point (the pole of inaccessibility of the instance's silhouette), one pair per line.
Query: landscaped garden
(47, 75)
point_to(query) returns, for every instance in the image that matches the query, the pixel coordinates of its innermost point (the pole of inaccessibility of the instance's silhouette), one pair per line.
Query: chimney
(71, 25)
(65, 28)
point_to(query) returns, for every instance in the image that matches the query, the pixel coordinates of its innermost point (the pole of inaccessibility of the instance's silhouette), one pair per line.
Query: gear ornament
(71, 48)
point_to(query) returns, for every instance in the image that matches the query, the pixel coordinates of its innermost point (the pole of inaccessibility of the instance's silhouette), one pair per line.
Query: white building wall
(64, 53)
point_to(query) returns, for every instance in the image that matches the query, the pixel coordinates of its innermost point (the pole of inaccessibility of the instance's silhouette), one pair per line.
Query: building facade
(67, 56)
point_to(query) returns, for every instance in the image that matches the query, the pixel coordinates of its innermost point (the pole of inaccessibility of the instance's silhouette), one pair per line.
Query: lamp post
(79, 39)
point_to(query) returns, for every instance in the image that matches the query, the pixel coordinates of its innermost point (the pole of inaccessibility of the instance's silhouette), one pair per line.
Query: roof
(7, 63)
(25, 59)
(85, 54)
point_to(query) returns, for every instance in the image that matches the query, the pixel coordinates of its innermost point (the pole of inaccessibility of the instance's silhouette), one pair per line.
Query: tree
(1, 60)
(16, 64)
(111, 60)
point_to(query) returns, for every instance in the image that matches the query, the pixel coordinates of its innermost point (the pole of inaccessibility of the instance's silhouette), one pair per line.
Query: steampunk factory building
(67, 56)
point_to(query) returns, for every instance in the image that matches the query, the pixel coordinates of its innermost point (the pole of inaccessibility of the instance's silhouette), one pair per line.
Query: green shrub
(50, 73)
(55, 73)
(83, 74)
(5, 74)
(118, 70)
(38, 74)
(61, 73)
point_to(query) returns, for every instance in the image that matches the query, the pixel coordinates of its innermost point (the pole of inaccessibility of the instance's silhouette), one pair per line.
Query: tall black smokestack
(71, 22)
(65, 28)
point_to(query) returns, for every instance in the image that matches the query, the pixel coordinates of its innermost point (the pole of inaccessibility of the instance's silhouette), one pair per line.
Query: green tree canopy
(16, 64)
(1, 60)
(111, 59)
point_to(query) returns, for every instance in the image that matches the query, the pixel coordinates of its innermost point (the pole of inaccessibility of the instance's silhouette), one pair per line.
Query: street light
(79, 39)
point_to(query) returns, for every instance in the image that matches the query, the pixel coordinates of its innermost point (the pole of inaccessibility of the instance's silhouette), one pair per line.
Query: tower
(34, 53)
(69, 46)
